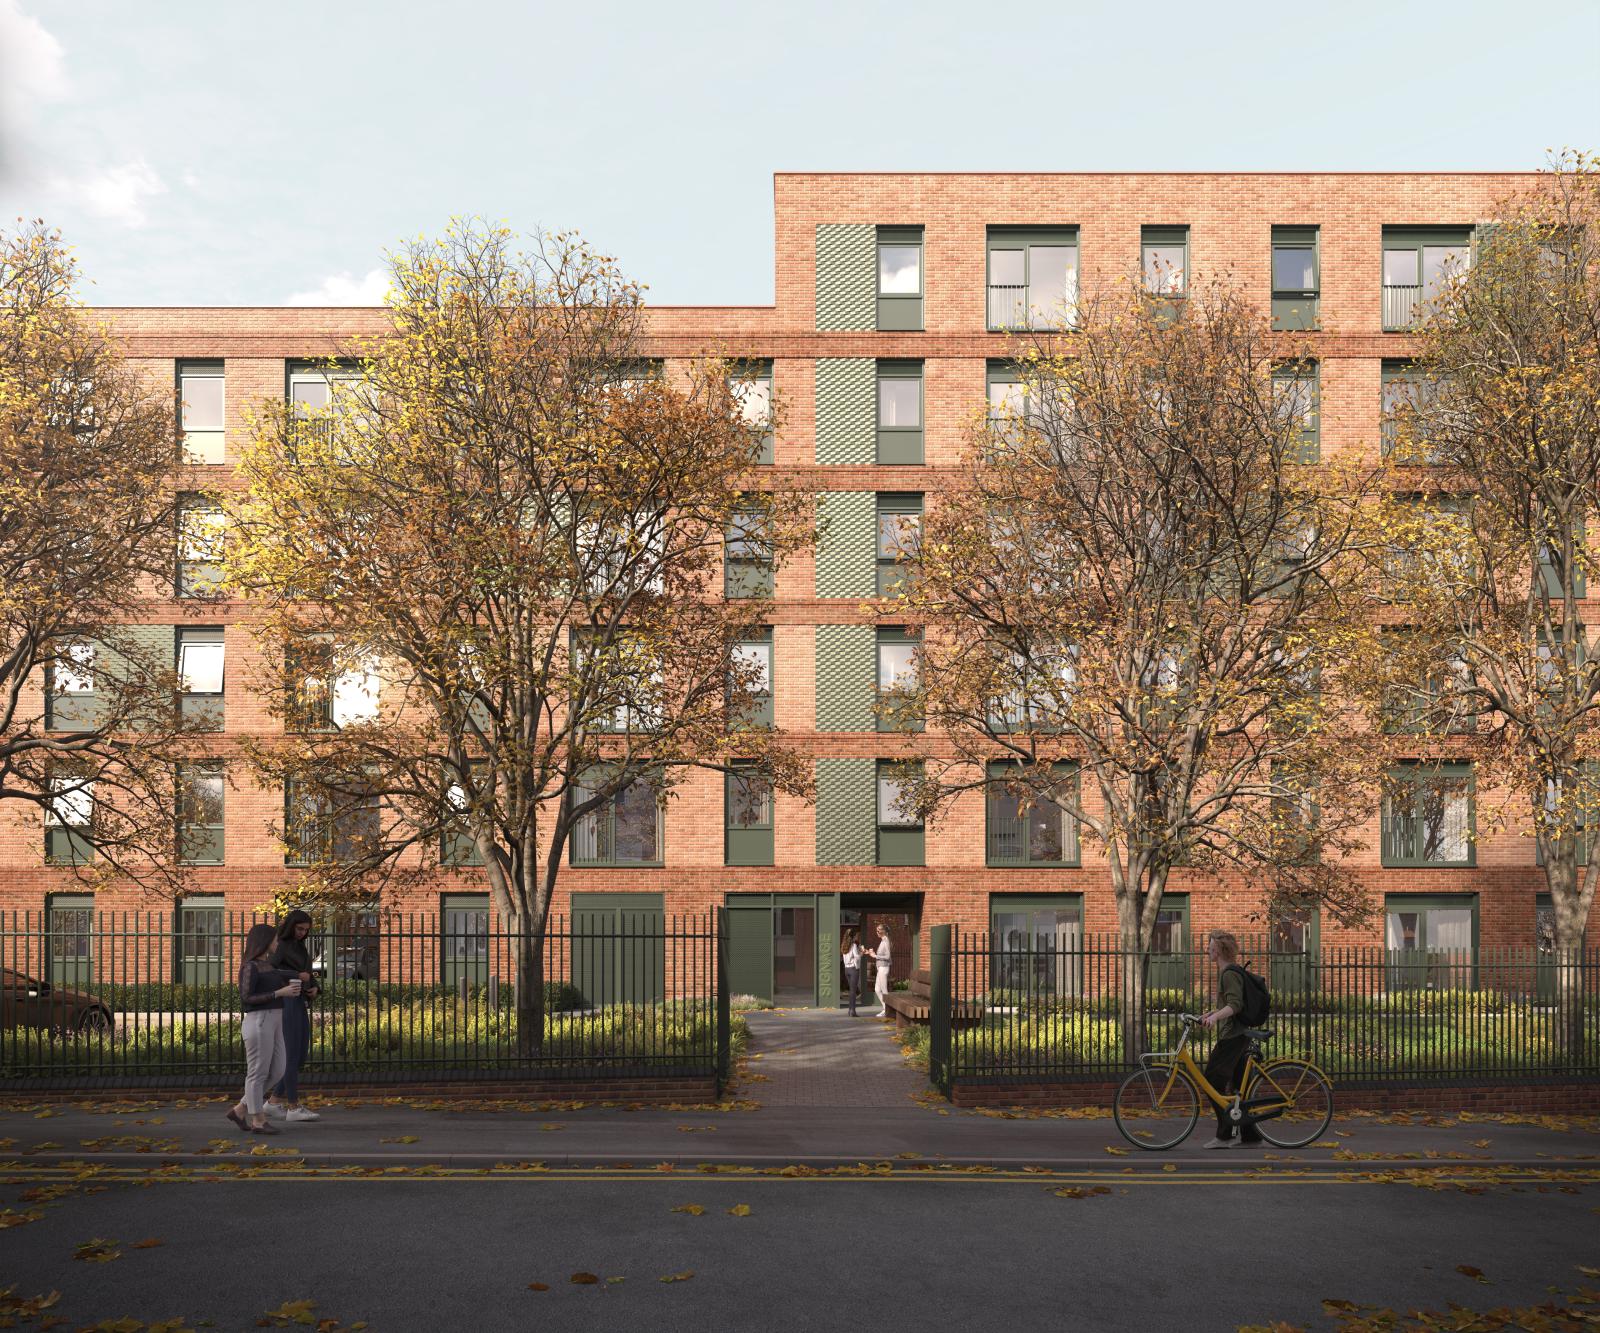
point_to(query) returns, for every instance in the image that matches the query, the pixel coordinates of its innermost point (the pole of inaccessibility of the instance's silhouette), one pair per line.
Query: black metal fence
(126, 998)
(1010, 1010)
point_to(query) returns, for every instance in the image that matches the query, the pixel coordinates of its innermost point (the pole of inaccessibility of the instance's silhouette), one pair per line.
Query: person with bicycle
(1227, 1058)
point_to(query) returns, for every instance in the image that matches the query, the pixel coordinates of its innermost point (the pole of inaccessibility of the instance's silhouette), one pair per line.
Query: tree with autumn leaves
(501, 546)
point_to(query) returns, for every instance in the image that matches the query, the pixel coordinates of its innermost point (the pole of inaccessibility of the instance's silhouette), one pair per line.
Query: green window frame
(751, 386)
(1171, 953)
(900, 292)
(752, 706)
(70, 700)
(1036, 943)
(1405, 563)
(1044, 834)
(1585, 812)
(201, 534)
(1404, 389)
(202, 408)
(457, 847)
(200, 946)
(896, 706)
(1424, 707)
(200, 659)
(1296, 278)
(747, 568)
(1164, 261)
(69, 821)
(1294, 949)
(1431, 940)
(899, 413)
(901, 834)
(1429, 815)
(899, 539)
(1008, 412)
(1032, 278)
(1576, 575)
(69, 939)
(1416, 262)
(321, 827)
(201, 808)
(464, 939)
(627, 829)
(747, 815)
(1297, 391)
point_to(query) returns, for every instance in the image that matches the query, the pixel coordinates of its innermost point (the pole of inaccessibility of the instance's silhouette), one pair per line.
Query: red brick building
(895, 298)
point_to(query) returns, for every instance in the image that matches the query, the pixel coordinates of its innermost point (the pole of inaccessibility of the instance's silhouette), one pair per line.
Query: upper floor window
(200, 410)
(1032, 828)
(900, 827)
(1297, 394)
(750, 684)
(316, 392)
(202, 527)
(1164, 256)
(320, 825)
(1418, 263)
(623, 829)
(68, 820)
(897, 708)
(899, 541)
(1406, 392)
(327, 693)
(1296, 282)
(70, 702)
(751, 386)
(899, 412)
(1428, 816)
(1033, 278)
(747, 835)
(199, 664)
(900, 278)
(747, 556)
(200, 826)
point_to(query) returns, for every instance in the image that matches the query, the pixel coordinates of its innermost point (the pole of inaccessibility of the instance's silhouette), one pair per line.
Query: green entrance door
(784, 947)
(618, 948)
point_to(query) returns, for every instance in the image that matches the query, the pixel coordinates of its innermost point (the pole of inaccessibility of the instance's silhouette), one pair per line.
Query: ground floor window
(69, 931)
(464, 938)
(201, 960)
(1294, 946)
(1170, 968)
(1037, 944)
(1432, 941)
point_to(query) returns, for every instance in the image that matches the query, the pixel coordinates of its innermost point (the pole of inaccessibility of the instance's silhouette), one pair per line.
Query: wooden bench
(916, 1005)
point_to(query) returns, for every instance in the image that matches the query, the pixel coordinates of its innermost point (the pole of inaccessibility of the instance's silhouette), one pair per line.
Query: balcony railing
(1011, 307)
(1401, 306)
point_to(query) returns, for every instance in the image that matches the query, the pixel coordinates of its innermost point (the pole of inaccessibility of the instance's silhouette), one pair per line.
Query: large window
(199, 652)
(750, 684)
(747, 556)
(201, 411)
(1428, 815)
(69, 928)
(316, 393)
(1432, 542)
(1170, 960)
(68, 821)
(326, 692)
(202, 527)
(899, 412)
(900, 829)
(1034, 688)
(900, 278)
(1164, 260)
(625, 829)
(464, 939)
(1033, 278)
(1432, 941)
(70, 702)
(200, 826)
(747, 798)
(1418, 263)
(751, 384)
(1037, 946)
(897, 707)
(1297, 394)
(202, 941)
(1437, 696)
(1029, 827)
(323, 826)
(1406, 391)
(1296, 281)
(899, 541)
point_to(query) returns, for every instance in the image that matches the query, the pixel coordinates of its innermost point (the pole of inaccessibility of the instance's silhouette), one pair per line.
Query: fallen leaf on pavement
(740, 1210)
(538, 1286)
(1116, 1152)
(584, 1279)
(1467, 1270)
(146, 1244)
(678, 1277)
(693, 1209)
(97, 1251)
(404, 1138)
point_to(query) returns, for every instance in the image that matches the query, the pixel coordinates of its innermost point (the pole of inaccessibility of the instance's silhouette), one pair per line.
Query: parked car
(27, 1003)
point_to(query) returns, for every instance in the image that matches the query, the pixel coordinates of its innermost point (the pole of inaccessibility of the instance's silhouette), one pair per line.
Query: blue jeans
(296, 1042)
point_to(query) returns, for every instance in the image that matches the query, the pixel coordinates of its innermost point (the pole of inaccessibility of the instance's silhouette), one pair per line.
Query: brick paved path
(820, 1057)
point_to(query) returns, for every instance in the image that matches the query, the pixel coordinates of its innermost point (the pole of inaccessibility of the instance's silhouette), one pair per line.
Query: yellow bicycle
(1289, 1101)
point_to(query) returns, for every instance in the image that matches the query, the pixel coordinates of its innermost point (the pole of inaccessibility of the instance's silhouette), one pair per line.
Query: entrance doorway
(784, 947)
(794, 955)
(901, 914)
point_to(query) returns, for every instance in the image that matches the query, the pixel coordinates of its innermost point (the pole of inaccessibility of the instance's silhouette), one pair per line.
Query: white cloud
(32, 65)
(117, 194)
(342, 289)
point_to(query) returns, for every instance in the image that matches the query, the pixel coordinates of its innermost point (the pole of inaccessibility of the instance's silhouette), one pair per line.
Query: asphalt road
(1187, 1249)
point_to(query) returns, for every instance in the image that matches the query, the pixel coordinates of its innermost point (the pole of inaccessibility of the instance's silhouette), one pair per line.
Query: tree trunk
(1571, 892)
(527, 946)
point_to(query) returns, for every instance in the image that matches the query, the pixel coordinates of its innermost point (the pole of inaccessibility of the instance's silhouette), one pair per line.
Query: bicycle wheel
(1151, 1112)
(1310, 1102)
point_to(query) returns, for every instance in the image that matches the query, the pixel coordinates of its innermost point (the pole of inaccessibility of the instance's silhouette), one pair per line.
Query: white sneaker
(1218, 1143)
(277, 1110)
(301, 1113)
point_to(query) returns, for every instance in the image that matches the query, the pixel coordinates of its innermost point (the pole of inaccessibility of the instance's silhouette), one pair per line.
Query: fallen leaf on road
(146, 1244)
(13, 1219)
(1587, 1271)
(404, 1138)
(1476, 1274)
(584, 1279)
(550, 1129)
(739, 1210)
(612, 1281)
(1480, 1143)
(1079, 1192)
(678, 1277)
(693, 1209)
(538, 1286)
(1116, 1152)
(97, 1251)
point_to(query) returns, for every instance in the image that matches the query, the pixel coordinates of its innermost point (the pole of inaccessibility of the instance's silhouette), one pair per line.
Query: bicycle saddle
(1258, 1034)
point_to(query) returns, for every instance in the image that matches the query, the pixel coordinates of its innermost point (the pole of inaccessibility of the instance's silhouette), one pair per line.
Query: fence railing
(1400, 306)
(104, 998)
(1054, 1009)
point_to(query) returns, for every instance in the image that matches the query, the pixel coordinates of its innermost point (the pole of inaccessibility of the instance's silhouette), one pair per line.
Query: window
(624, 829)
(199, 664)
(70, 703)
(68, 819)
(1297, 394)
(1295, 278)
(897, 706)
(464, 939)
(351, 947)
(1169, 945)
(1406, 391)
(1572, 809)
(747, 556)
(1035, 688)
(321, 826)
(325, 693)
(751, 385)
(1418, 264)
(1032, 828)
(747, 839)
(201, 941)
(1293, 949)
(1008, 403)
(201, 529)
(1033, 278)
(899, 412)
(1437, 698)
(1552, 559)
(900, 831)
(899, 540)
(200, 411)
(1432, 541)
(1165, 260)
(200, 836)
(316, 393)
(70, 930)
(750, 693)
(1037, 945)
(457, 846)
(1432, 941)
(899, 278)
(1428, 815)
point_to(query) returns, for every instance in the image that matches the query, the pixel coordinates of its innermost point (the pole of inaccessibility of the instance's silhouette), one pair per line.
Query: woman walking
(292, 955)
(262, 991)
(880, 981)
(850, 952)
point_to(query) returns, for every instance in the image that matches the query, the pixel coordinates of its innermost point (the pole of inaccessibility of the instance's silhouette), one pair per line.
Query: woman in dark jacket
(262, 991)
(292, 954)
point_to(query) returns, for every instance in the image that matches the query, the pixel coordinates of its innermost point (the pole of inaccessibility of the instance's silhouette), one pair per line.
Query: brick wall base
(644, 1091)
(1577, 1098)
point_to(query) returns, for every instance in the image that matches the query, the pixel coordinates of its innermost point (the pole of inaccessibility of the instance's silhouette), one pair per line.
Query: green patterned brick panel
(847, 400)
(847, 544)
(847, 276)
(846, 677)
(847, 812)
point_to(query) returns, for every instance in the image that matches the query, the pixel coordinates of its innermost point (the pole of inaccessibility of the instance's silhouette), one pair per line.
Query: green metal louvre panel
(847, 276)
(846, 677)
(847, 812)
(847, 545)
(847, 390)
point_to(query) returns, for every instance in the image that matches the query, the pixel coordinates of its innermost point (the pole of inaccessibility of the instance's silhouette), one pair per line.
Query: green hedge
(170, 998)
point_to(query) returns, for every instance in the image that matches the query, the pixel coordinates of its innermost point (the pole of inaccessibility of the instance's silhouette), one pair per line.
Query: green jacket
(1230, 990)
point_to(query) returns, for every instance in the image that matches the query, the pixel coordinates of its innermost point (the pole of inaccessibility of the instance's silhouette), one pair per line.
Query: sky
(201, 152)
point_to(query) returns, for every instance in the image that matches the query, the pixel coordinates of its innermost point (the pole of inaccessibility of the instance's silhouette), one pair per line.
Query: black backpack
(1257, 998)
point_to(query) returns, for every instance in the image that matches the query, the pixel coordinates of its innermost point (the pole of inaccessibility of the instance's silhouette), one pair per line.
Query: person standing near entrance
(880, 982)
(850, 951)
